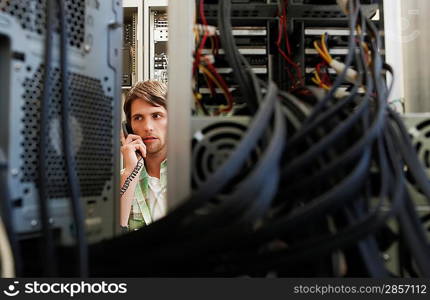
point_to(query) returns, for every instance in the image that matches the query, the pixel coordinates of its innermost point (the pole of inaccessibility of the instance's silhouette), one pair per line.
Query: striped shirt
(149, 202)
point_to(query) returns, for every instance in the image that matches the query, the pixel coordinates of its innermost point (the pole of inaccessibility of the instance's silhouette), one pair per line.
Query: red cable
(209, 65)
(324, 76)
(224, 85)
(283, 31)
(204, 39)
(210, 86)
(285, 20)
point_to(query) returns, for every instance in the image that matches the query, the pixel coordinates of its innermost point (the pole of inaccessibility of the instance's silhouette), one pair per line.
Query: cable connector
(341, 93)
(208, 58)
(351, 74)
(205, 29)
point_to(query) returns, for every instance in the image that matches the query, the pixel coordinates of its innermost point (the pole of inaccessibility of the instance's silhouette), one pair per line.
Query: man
(144, 190)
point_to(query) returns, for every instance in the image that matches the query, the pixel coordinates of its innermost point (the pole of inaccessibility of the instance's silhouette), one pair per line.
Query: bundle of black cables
(330, 177)
(49, 258)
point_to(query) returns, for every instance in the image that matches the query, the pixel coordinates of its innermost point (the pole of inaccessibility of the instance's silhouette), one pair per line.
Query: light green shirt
(149, 203)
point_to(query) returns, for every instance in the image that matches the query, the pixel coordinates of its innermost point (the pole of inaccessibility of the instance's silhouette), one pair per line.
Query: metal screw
(386, 257)
(87, 48)
(88, 43)
(51, 221)
(14, 172)
(33, 223)
(18, 67)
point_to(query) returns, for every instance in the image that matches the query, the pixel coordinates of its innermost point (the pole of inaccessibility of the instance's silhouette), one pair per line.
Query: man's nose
(148, 125)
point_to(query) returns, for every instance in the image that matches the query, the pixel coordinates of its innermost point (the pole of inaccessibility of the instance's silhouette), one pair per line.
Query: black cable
(254, 81)
(335, 157)
(233, 56)
(240, 210)
(360, 111)
(414, 234)
(333, 165)
(337, 132)
(321, 146)
(414, 238)
(248, 201)
(381, 114)
(169, 226)
(341, 77)
(372, 258)
(75, 194)
(409, 155)
(194, 225)
(48, 244)
(368, 247)
(318, 246)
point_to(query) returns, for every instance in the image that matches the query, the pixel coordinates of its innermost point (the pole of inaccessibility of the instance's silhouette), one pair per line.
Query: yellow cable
(321, 53)
(198, 99)
(317, 80)
(369, 54)
(326, 87)
(324, 45)
(209, 74)
(207, 81)
(317, 76)
(320, 84)
(197, 96)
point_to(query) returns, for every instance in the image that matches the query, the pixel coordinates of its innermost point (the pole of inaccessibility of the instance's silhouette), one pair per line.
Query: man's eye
(137, 118)
(156, 116)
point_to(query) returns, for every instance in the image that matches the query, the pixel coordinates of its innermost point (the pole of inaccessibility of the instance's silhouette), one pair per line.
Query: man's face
(150, 122)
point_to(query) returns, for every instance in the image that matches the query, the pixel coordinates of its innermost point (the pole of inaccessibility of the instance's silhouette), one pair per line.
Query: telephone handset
(127, 130)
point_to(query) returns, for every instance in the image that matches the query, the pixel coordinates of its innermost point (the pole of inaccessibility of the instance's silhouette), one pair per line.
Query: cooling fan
(420, 134)
(418, 126)
(214, 139)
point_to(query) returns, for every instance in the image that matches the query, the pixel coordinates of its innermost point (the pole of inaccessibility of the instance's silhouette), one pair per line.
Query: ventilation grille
(323, 14)
(421, 139)
(212, 146)
(235, 13)
(92, 128)
(419, 132)
(31, 14)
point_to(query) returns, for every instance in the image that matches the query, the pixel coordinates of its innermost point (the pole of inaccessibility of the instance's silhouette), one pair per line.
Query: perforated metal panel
(94, 77)
(32, 17)
(92, 121)
(323, 14)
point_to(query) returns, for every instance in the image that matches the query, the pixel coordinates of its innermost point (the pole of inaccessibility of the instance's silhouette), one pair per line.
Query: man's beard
(154, 147)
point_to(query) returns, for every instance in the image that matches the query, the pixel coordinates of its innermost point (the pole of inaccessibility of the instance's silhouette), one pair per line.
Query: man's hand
(130, 145)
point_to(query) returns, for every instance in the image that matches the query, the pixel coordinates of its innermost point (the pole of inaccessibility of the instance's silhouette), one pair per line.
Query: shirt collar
(164, 163)
(163, 169)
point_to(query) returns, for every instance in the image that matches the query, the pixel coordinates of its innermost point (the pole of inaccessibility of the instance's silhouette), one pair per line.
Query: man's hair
(153, 92)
